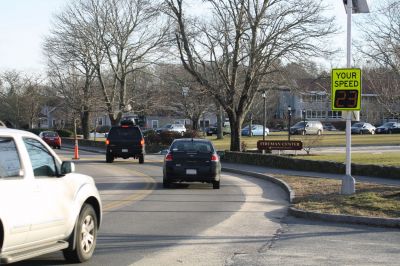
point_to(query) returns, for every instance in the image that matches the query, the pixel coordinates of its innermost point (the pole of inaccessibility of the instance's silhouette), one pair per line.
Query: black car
(226, 129)
(388, 128)
(192, 160)
(125, 141)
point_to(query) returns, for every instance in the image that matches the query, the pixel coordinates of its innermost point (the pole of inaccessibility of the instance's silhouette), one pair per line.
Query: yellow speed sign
(346, 89)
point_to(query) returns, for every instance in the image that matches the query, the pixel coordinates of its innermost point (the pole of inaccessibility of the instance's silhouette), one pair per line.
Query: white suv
(44, 205)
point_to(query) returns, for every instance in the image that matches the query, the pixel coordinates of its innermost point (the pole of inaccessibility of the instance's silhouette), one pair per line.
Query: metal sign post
(360, 6)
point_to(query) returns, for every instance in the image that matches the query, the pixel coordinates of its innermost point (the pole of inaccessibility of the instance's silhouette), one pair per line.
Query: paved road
(145, 224)
(243, 223)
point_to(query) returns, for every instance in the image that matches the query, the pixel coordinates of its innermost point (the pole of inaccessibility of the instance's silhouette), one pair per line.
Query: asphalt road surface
(243, 223)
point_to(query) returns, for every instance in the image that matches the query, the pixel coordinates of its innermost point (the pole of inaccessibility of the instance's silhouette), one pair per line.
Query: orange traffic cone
(76, 151)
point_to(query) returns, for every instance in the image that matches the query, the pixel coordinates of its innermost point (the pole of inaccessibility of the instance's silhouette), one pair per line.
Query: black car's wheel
(216, 185)
(109, 157)
(166, 183)
(141, 159)
(84, 236)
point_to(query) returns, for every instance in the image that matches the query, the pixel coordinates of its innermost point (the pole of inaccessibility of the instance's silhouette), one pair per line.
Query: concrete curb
(337, 218)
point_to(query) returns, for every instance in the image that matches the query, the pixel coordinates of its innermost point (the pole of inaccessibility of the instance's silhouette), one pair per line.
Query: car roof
(14, 132)
(192, 139)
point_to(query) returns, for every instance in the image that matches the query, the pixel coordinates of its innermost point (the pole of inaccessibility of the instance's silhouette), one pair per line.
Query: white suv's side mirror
(67, 167)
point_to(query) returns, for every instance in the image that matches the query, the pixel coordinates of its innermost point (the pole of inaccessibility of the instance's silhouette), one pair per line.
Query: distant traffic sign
(346, 89)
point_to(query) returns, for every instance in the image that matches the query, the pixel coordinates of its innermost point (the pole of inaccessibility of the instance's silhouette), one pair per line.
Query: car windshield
(117, 133)
(196, 146)
(358, 125)
(299, 124)
(50, 134)
(388, 124)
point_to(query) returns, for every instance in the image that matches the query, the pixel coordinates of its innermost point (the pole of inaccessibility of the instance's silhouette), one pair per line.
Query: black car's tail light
(169, 157)
(214, 157)
(107, 142)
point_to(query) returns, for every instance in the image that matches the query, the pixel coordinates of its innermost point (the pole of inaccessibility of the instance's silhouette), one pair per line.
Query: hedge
(284, 162)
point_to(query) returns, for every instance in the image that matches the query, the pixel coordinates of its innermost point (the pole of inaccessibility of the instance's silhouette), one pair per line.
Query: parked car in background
(256, 130)
(180, 128)
(226, 129)
(125, 141)
(192, 160)
(329, 127)
(388, 128)
(307, 128)
(51, 138)
(362, 128)
(44, 205)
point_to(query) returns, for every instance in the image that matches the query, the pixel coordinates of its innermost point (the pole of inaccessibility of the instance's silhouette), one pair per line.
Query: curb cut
(337, 218)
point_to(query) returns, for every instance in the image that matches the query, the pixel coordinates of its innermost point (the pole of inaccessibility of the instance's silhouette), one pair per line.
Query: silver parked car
(306, 128)
(362, 128)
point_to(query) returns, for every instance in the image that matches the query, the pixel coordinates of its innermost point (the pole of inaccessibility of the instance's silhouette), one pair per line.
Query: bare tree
(69, 65)
(183, 93)
(234, 52)
(21, 97)
(125, 35)
(380, 46)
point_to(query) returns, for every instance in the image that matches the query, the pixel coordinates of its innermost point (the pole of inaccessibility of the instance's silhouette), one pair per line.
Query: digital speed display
(346, 89)
(346, 99)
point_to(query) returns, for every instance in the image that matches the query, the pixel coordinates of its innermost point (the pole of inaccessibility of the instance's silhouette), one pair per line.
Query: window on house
(100, 121)
(54, 123)
(154, 123)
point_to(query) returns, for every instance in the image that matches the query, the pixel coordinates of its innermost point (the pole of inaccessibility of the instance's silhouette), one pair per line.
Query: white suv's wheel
(85, 234)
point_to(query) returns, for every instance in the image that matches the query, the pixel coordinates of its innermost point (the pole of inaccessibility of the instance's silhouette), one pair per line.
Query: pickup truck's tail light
(214, 157)
(142, 142)
(107, 142)
(169, 157)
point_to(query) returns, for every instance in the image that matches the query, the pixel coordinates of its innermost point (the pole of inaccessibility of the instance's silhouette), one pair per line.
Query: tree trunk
(236, 130)
(85, 118)
(220, 132)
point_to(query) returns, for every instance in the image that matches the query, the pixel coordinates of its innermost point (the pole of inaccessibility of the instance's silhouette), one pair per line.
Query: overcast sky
(24, 23)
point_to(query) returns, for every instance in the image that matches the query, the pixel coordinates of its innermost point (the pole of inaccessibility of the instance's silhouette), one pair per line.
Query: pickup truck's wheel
(215, 184)
(141, 159)
(85, 234)
(109, 157)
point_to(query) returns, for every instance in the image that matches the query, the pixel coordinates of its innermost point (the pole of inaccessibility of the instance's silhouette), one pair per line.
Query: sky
(24, 23)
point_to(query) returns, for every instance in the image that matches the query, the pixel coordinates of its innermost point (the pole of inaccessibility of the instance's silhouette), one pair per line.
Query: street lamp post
(264, 112)
(289, 109)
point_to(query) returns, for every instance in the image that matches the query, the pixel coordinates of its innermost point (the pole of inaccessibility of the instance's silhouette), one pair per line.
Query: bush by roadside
(310, 165)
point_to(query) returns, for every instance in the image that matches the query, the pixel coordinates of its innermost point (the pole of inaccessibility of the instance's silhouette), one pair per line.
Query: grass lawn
(381, 158)
(322, 195)
(328, 139)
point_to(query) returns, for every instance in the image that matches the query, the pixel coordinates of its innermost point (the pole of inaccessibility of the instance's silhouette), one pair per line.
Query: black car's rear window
(196, 146)
(125, 133)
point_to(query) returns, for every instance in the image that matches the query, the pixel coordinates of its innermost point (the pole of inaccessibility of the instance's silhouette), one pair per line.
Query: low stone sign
(279, 145)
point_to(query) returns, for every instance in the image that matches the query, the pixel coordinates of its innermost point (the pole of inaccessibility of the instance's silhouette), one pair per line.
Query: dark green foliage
(64, 133)
(191, 134)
